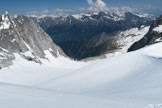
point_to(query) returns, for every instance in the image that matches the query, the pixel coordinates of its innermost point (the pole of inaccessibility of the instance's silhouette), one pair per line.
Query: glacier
(131, 80)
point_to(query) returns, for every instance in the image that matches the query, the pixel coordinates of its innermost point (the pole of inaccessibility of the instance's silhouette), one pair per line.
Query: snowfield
(131, 80)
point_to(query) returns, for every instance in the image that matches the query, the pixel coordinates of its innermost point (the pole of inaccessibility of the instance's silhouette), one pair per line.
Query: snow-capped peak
(115, 15)
(77, 16)
(5, 21)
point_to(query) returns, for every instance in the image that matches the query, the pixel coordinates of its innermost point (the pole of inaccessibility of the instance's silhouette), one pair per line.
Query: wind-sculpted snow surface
(131, 80)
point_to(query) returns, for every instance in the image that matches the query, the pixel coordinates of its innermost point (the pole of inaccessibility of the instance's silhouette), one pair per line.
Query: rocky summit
(154, 35)
(23, 36)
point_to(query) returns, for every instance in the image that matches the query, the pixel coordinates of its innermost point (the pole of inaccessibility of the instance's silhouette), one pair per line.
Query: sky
(23, 6)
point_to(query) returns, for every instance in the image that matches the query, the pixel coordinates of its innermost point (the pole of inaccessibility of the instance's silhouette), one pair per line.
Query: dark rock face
(79, 37)
(34, 36)
(97, 46)
(151, 37)
(22, 35)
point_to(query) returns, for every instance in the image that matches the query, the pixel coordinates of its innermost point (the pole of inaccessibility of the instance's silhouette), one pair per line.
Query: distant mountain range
(75, 34)
(80, 36)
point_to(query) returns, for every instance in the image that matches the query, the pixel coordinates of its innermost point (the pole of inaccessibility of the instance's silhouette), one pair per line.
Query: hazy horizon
(18, 6)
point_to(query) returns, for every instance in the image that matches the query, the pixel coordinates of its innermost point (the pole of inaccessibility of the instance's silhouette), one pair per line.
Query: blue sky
(22, 6)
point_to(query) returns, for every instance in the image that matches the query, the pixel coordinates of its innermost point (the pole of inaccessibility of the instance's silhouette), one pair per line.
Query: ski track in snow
(131, 80)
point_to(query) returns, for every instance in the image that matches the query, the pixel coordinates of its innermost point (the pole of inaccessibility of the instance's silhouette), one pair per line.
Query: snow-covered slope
(103, 73)
(26, 72)
(154, 35)
(131, 80)
(125, 39)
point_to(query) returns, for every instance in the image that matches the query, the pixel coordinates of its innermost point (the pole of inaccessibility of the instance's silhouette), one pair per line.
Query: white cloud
(98, 5)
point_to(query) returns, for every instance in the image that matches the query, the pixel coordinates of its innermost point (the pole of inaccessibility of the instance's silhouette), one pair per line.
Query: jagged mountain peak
(5, 15)
(5, 21)
(25, 37)
(111, 15)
